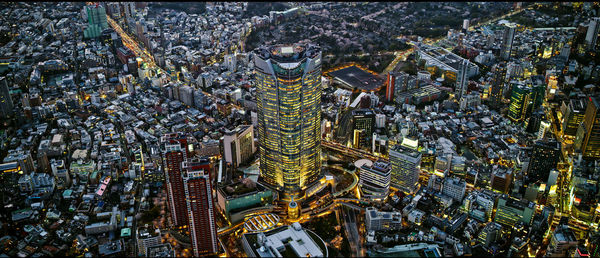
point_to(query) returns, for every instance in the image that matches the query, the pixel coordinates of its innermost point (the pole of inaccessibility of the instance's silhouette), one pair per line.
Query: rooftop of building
(286, 241)
(357, 77)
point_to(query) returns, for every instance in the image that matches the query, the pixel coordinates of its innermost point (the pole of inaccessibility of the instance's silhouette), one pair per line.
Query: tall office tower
(544, 158)
(462, 79)
(499, 73)
(591, 37)
(507, 40)
(238, 145)
(465, 26)
(588, 133)
(288, 84)
(200, 208)
(573, 116)
(174, 148)
(405, 167)
(390, 87)
(97, 22)
(6, 104)
(519, 101)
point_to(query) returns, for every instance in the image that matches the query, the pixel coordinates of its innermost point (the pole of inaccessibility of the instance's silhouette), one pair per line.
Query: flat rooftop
(356, 78)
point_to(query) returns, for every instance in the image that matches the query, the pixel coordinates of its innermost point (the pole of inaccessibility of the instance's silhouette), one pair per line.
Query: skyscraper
(288, 84)
(174, 148)
(544, 158)
(573, 116)
(6, 104)
(462, 79)
(507, 40)
(405, 167)
(499, 73)
(588, 134)
(238, 145)
(519, 101)
(97, 22)
(200, 207)
(591, 37)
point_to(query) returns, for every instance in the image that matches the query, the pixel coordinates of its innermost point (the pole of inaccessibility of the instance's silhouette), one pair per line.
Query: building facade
(405, 167)
(288, 84)
(375, 180)
(200, 208)
(174, 149)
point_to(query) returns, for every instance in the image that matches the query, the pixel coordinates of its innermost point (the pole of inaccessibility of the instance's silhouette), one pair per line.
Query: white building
(381, 220)
(416, 216)
(238, 145)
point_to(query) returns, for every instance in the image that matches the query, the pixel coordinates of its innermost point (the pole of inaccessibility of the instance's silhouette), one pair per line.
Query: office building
(519, 101)
(288, 83)
(489, 234)
(462, 80)
(175, 151)
(544, 158)
(501, 179)
(6, 103)
(97, 22)
(200, 208)
(238, 145)
(455, 188)
(496, 92)
(510, 211)
(573, 117)
(591, 37)
(363, 119)
(507, 40)
(405, 167)
(562, 240)
(588, 134)
(380, 220)
(375, 179)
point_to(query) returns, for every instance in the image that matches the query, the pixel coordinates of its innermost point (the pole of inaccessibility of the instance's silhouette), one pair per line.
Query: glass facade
(288, 84)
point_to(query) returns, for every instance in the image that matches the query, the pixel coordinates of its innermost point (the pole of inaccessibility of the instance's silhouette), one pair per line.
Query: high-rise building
(588, 134)
(375, 179)
(507, 40)
(465, 26)
(499, 73)
(519, 101)
(6, 103)
(405, 167)
(175, 151)
(591, 37)
(238, 145)
(544, 158)
(97, 22)
(390, 87)
(363, 119)
(288, 83)
(200, 208)
(462, 79)
(573, 116)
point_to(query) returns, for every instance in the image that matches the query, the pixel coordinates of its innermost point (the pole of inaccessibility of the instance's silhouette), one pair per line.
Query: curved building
(288, 86)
